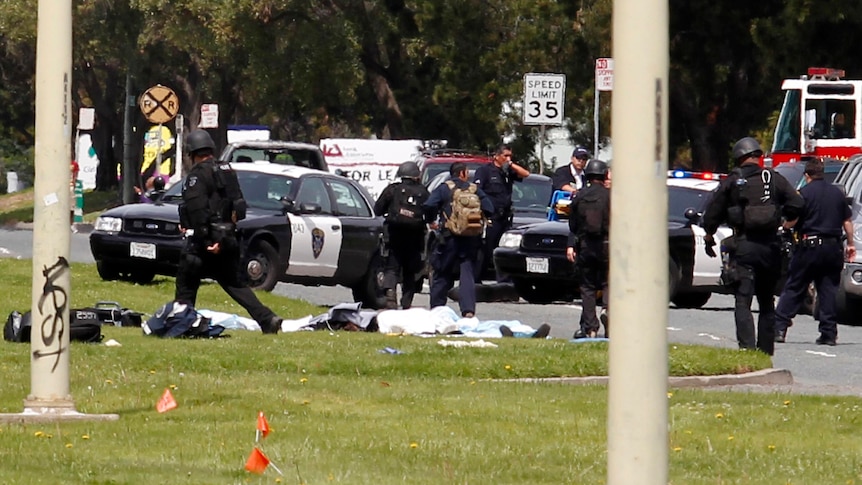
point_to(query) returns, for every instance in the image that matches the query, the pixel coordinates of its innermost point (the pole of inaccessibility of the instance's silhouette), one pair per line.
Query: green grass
(342, 412)
(18, 206)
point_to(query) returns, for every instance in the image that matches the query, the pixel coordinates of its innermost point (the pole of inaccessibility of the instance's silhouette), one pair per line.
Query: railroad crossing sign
(159, 104)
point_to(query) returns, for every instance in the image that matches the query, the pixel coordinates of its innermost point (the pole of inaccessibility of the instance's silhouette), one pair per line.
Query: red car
(435, 162)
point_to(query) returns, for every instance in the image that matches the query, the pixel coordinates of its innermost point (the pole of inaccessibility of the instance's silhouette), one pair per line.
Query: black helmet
(746, 147)
(199, 140)
(159, 183)
(408, 170)
(596, 168)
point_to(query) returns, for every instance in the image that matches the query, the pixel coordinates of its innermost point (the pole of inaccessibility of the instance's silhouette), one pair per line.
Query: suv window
(283, 156)
(348, 200)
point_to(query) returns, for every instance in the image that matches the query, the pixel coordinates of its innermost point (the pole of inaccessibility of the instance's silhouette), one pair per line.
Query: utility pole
(50, 398)
(637, 391)
(129, 169)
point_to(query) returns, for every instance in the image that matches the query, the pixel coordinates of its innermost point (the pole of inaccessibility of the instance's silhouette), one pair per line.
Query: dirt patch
(16, 200)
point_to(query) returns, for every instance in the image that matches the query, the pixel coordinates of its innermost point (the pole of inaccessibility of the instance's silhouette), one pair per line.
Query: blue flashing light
(678, 174)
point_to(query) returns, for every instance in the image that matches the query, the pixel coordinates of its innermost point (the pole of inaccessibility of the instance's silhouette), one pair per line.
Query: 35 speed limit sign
(544, 96)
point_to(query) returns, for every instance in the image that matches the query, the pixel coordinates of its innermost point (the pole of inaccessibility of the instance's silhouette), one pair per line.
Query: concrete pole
(596, 123)
(49, 339)
(637, 391)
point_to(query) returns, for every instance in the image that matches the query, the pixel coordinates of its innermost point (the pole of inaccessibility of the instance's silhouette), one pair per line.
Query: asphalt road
(815, 368)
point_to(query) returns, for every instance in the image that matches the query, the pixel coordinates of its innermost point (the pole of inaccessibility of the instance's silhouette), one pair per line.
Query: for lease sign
(372, 163)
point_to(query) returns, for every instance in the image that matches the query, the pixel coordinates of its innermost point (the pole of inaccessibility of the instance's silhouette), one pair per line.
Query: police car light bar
(684, 174)
(825, 72)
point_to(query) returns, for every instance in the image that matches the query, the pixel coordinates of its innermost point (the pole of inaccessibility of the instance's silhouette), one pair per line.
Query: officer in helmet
(589, 226)
(212, 205)
(752, 201)
(400, 204)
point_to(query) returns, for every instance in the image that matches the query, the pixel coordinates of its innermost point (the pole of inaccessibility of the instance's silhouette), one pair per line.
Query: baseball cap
(580, 152)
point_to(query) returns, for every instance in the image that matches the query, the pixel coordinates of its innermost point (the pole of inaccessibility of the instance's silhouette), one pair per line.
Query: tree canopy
(429, 69)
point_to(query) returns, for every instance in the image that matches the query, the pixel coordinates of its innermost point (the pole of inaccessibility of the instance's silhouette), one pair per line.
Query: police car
(303, 226)
(535, 255)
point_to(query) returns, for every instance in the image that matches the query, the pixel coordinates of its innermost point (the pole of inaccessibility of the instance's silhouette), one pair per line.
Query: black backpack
(406, 206)
(756, 209)
(84, 326)
(592, 213)
(176, 320)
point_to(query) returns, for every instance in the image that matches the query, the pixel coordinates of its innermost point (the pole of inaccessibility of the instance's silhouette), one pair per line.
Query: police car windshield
(681, 198)
(532, 195)
(261, 190)
(264, 190)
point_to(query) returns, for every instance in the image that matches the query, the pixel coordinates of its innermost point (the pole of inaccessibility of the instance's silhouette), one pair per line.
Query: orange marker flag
(262, 425)
(257, 461)
(166, 402)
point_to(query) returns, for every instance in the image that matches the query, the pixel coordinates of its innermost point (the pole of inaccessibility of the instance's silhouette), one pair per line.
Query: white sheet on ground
(444, 320)
(230, 321)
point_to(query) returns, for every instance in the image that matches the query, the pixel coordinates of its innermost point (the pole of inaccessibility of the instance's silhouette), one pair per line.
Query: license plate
(537, 265)
(142, 250)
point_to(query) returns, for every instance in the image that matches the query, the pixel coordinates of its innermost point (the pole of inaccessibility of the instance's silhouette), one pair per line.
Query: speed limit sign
(544, 96)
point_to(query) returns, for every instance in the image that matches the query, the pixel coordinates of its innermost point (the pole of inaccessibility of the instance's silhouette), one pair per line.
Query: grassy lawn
(343, 412)
(18, 206)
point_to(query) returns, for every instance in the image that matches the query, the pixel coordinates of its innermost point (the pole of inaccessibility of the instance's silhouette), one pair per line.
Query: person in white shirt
(570, 177)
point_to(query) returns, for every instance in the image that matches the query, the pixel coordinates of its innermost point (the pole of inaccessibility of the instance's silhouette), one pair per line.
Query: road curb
(83, 228)
(765, 377)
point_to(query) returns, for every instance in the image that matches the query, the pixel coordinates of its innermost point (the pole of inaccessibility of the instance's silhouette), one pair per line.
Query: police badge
(317, 240)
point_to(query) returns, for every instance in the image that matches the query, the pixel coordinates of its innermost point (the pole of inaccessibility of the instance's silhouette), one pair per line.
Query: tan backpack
(467, 218)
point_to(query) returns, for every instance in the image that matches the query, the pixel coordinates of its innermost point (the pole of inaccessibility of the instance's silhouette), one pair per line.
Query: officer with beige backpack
(460, 209)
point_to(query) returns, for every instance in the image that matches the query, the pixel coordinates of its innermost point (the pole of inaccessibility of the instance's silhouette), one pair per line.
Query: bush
(18, 159)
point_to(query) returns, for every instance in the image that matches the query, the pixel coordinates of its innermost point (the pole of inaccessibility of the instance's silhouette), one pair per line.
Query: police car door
(316, 240)
(707, 270)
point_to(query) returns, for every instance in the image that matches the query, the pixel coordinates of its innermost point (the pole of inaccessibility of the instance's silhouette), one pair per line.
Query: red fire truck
(821, 117)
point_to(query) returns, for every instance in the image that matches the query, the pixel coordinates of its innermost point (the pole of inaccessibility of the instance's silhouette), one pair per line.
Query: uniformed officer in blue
(496, 180)
(212, 204)
(819, 254)
(454, 256)
(752, 201)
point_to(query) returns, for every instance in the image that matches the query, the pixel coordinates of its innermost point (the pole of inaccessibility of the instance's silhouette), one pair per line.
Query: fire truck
(821, 117)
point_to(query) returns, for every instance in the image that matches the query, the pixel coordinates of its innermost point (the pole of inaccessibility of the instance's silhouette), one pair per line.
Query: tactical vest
(754, 208)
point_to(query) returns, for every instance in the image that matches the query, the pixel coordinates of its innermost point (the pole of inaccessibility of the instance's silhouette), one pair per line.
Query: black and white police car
(303, 226)
(535, 255)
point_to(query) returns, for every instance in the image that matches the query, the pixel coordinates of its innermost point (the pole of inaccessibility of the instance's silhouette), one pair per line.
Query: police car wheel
(261, 266)
(540, 293)
(369, 290)
(140, 277)
(691, 300)
(107, 271)
(673, 278)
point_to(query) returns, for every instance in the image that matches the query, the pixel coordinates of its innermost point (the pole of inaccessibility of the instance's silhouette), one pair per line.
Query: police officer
(570, 178)
(752, 201)
(819, 254)
(401, 204)
(589, 226)
(212, 204)
(496, 180)
(454, 256)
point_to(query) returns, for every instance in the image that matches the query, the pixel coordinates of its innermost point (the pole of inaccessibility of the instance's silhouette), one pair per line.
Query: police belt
(810, 240)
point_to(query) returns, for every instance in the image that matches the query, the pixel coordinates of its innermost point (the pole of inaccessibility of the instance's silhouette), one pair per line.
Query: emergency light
(825, 72)
(685, 174)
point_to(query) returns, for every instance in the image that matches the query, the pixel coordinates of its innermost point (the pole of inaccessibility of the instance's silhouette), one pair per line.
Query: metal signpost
(604, 82)
(544, 101)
